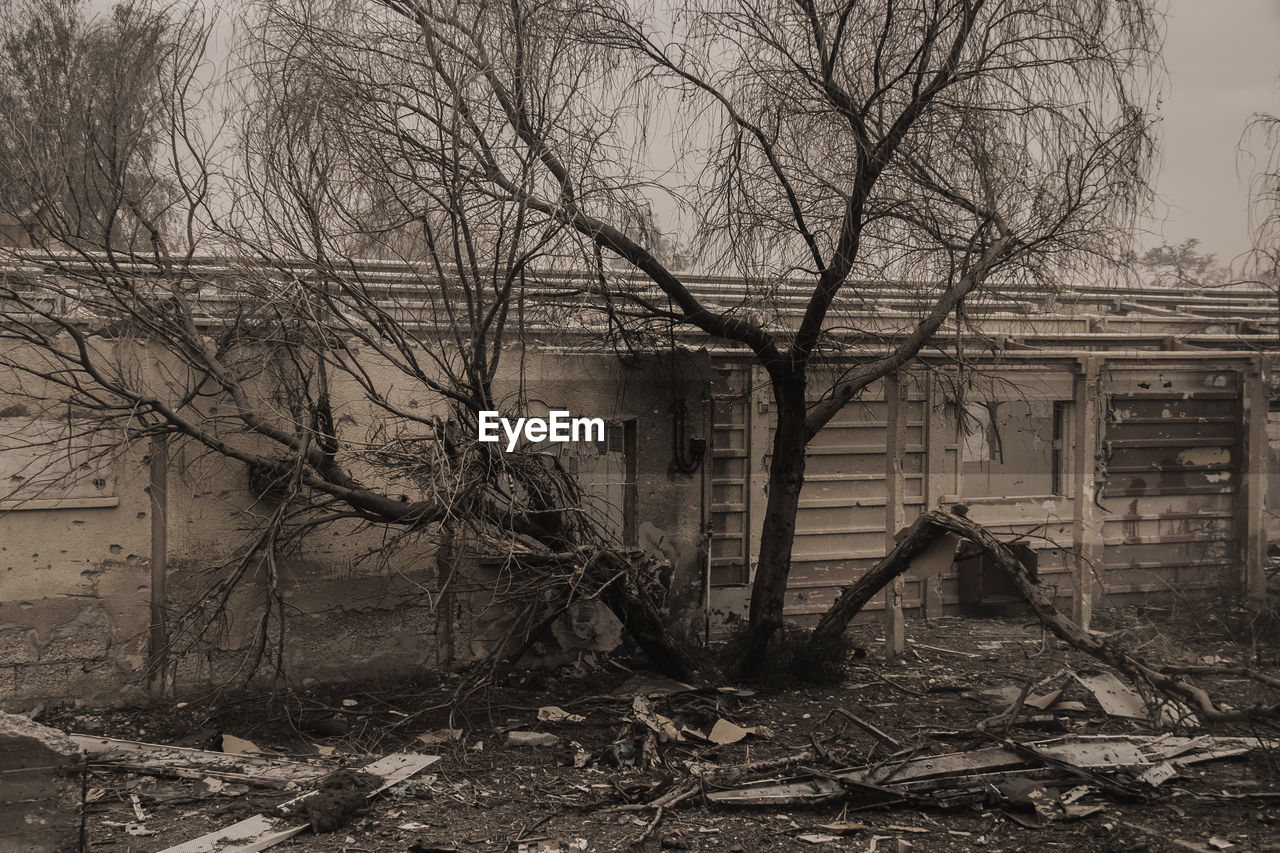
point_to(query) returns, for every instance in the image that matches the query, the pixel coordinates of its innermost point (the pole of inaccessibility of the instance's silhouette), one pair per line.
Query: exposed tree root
(1173, 690)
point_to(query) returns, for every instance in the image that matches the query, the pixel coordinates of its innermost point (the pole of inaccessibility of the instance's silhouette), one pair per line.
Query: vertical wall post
(894, 510)
(759, 420)
(935, 478)
(158, 641)
(1086, 526)
(1257, 401)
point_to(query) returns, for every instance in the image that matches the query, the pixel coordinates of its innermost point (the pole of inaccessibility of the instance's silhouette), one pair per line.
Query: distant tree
(80, 121)
(1182, 265)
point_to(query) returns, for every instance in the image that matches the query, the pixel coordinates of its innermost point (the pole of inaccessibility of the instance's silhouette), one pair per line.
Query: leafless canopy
(811, 149)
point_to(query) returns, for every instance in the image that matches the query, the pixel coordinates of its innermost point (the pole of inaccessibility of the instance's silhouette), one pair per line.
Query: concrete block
(41, 789)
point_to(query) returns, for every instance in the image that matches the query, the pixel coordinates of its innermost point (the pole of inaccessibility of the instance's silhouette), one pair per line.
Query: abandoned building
(1125, 436)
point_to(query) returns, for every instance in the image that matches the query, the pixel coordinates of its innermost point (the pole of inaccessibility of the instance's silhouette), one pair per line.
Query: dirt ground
(486, 795)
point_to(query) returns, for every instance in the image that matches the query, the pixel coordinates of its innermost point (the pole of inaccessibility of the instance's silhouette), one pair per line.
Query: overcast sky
(1223, 58)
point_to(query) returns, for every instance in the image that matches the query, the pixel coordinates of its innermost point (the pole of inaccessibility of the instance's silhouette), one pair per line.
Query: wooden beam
(1086, 526)
(936, 484)
(895, 639)
(1257, 402)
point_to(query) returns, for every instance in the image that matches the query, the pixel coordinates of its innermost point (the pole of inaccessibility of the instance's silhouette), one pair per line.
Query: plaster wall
(75, 583)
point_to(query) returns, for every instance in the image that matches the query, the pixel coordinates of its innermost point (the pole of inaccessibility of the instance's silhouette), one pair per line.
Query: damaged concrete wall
(1168, 470)
(75, 574)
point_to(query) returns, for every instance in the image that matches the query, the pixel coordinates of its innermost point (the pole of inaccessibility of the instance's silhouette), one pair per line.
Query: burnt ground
(487, 795)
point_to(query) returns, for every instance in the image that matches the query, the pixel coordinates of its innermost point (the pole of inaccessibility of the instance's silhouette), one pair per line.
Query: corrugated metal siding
(1172, 446)
(840, 529)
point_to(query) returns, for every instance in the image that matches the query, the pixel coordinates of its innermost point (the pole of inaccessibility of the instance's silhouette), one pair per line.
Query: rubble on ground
(984, 734)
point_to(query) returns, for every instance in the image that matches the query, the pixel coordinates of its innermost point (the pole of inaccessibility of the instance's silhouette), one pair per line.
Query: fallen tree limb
(931, 525)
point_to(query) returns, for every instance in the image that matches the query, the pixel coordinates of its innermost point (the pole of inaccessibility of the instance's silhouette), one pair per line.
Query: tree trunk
(786, 478)
(641, 618)
(836, 620)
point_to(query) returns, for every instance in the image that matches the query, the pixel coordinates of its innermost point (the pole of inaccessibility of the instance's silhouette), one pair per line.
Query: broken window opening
(1012, 448)
(606, 473)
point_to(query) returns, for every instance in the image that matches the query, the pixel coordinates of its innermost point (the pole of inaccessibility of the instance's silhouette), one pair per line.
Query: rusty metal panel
(1172, 456)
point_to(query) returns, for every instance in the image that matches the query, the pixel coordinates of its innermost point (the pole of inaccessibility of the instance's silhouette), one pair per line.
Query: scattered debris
(625, 753)
(518, 738)
(548, 846)
(1162, 772)
(440, 736)
(842, 827)
(664, 727)
(556, 714)
(725, 732)
(233, 745)
(433, 847)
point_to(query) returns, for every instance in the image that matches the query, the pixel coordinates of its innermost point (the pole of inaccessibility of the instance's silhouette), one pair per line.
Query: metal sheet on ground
(1116, 698)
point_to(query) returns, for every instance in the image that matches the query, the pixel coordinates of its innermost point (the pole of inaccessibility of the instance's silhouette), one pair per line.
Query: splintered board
(260, 832)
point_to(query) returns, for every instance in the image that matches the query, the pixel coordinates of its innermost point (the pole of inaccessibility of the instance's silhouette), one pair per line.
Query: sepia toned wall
(75, 576)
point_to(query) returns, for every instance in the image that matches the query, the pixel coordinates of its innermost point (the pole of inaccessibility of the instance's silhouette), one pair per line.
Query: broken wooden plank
(815, 788)
(1098, 752)
(802, 791)
(260, 832)
(136, 755)
(1183, 750)
(248, 836)
(196, 773)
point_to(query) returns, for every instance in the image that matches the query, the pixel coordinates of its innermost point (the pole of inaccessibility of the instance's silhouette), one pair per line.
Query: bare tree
(129, 340)
(940, 143)
(80, 115)
(1264, 209)
(934, 142)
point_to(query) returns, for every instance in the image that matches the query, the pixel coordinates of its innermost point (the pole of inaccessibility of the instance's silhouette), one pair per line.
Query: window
(1011, 448)
(47, 462)
(606, 471)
